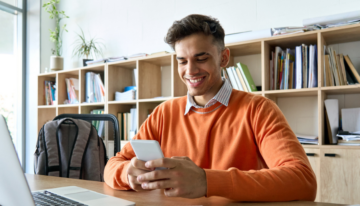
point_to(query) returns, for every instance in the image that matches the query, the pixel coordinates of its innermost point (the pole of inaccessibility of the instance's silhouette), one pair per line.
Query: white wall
(132, 26)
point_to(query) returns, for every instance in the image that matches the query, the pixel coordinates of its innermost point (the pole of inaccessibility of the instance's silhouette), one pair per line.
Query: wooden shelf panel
(123, 102)
(292, 92)
(244, 48)
(68, 110)
(129, 64)
(94, 68)
(69, 72)
(68, 105)
(291, 41)
(161, 60)
(50, 75)
(46, 106)
(155, 99)
(45, 115)
(347, 89)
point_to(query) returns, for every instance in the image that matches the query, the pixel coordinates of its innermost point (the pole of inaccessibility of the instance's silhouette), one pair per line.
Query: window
(12, 70)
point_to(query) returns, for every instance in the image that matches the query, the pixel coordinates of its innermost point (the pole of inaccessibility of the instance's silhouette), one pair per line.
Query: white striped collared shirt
(223, 96)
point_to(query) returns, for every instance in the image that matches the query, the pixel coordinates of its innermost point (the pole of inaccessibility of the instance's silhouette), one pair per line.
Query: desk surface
(156, 197)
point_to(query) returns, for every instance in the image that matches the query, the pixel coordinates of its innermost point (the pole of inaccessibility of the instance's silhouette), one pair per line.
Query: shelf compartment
(144, 110)
(98, 69)
(45, 115)
(301, 113)
(120, 75)
(41, 87)
(61, 85)
(341, 34)
(155, 77)
(119, 108)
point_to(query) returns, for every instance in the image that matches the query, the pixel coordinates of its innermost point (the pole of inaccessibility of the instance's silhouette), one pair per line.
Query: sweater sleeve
(115, 174)
(289, 175)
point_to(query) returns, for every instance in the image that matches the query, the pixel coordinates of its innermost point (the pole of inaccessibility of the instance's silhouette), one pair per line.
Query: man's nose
(191, 68)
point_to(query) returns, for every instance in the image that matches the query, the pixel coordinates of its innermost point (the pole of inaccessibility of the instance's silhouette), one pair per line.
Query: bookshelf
(158, 77)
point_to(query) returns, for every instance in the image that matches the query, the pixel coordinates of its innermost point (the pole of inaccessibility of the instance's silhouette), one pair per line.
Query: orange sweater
(247, 149)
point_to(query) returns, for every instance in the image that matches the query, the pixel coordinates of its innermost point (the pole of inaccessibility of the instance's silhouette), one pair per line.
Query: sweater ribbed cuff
(219, 183)
(124, 176)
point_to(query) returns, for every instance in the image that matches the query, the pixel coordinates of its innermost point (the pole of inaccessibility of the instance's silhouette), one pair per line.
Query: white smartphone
(147, 150)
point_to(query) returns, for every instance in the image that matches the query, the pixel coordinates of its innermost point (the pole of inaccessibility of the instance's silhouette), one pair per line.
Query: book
(291, 75)
(226, 76)
(247, 77)
(241, 78)
(332, 112)
(350, 77)
(138, 55)
(329, 76)
(232, 78)
(120, 118)
(327, 20)
(299, 67)
(342, 68)
(94, 88)
(352, 68)
(277, 59)
(237, 79)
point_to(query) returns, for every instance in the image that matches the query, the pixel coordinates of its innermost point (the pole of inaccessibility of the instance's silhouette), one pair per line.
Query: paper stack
(307, 139)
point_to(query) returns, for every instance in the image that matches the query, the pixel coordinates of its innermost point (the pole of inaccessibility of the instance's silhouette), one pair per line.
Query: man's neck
(202, 100)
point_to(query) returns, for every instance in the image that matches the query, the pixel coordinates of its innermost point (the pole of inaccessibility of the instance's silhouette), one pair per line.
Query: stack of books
(292, 30)
(294, 69)
(347, 138)
(94, 88)
(104, 60)
(99, 125)
(339, 70)
(72, 85)
(127, 124)
(50, 91)
(239, 78)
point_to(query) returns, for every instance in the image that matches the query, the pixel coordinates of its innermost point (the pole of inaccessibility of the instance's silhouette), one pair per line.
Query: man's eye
(201, 60)
(182, 62)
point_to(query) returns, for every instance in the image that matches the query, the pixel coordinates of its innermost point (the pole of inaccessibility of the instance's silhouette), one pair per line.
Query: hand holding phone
(146, 150)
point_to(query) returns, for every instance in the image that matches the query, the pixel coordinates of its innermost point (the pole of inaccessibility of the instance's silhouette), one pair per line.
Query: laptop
(14, 189)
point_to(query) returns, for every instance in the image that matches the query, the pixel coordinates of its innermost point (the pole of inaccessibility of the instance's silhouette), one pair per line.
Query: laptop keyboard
(48, 198)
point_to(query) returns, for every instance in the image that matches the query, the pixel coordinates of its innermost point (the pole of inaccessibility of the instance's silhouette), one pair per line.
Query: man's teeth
(195, 80)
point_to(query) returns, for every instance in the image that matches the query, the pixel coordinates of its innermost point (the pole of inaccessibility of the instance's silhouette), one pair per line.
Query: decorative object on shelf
(85, 48)
(56, 61)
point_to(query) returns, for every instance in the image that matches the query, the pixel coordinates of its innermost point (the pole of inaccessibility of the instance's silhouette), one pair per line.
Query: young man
(217, 141)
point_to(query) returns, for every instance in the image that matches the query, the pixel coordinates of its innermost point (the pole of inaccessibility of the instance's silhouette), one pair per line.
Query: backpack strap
(52, 150)
(79, 148)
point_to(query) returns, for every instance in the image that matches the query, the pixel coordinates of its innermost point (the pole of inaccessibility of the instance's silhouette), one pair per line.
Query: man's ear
(225, 57)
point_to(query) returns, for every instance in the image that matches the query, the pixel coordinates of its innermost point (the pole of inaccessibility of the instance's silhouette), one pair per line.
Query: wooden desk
(156, 197)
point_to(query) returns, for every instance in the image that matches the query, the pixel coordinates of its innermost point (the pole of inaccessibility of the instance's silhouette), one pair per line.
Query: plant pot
(85, 60)
(56, 63)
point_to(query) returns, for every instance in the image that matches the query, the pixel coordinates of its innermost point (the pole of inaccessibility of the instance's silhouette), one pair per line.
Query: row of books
(72, 88)
(94, 88)
(99, 125)
(127, 124)
(239, 77)
(50, 91)
(294, 69)
(338, 69)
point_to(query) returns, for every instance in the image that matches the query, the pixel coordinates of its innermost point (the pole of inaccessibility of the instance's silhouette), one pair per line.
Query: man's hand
(136, 168)
(183, 178)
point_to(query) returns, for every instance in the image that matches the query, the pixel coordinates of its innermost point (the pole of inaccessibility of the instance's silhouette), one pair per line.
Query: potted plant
(86, 48)
(56, 61)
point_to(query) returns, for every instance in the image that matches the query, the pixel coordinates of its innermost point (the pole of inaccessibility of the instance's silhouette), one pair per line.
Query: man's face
(199, 62)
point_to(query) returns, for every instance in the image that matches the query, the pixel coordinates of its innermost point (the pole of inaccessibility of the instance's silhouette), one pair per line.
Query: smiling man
(217, 141)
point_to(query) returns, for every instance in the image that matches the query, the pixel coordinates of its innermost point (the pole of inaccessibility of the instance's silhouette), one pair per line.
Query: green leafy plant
(55, 36)
(85, 48)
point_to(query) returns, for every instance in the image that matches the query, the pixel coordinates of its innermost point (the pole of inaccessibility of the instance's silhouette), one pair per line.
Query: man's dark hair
(196, 23)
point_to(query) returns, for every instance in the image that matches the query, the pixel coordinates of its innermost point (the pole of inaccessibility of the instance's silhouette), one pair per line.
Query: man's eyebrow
(196, 55)
(201, 54)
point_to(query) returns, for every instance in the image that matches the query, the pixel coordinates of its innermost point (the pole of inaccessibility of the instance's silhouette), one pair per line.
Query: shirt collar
(223, 96)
